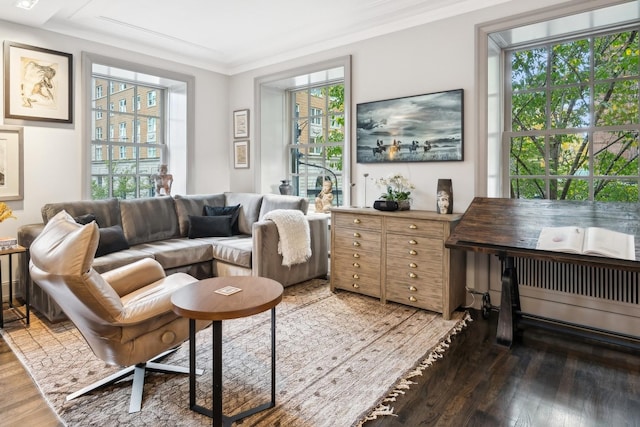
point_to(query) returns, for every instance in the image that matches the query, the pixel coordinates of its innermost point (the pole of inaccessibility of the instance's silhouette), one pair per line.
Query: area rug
(341, 359)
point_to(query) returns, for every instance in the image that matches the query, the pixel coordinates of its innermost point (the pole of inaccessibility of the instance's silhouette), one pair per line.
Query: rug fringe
(404, 383)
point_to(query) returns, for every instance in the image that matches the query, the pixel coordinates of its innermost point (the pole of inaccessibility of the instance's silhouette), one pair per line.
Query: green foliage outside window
(575, 119)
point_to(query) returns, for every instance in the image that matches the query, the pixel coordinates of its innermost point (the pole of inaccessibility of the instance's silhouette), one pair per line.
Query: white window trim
(185, 129)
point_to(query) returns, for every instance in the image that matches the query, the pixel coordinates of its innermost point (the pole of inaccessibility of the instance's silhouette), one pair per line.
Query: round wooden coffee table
(203, 301)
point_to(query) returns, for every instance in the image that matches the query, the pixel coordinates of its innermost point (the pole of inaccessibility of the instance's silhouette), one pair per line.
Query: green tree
(569, 102)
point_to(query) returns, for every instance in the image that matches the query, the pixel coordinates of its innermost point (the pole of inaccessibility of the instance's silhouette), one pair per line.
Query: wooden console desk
(509, 228)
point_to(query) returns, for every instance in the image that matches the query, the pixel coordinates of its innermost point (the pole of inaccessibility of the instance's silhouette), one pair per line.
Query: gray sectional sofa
(159, 228)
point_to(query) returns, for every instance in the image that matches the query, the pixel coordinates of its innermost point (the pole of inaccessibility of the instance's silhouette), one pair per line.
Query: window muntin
(317, 139)
(574, 118)
(126, 162)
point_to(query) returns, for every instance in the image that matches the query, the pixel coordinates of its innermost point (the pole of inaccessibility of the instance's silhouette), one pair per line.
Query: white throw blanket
(295, 238)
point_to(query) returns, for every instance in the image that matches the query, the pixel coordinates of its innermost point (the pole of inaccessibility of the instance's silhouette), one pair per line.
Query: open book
(591, 241)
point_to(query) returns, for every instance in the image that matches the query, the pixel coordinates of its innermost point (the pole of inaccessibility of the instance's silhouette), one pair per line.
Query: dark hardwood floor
(547, 379)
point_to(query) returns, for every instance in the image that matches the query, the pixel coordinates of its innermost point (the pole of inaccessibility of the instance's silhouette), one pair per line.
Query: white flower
(397, 187)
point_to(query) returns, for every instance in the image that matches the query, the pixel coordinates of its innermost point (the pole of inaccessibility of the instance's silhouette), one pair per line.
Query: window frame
(179, 98)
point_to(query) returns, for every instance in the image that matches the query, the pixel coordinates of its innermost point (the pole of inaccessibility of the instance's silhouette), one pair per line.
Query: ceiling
(232, 36)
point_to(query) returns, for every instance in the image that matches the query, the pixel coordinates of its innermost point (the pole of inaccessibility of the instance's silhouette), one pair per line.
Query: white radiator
(601, 298)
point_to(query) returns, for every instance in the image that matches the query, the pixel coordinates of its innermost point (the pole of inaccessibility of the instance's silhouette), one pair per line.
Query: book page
(561, 239)
(613, 244)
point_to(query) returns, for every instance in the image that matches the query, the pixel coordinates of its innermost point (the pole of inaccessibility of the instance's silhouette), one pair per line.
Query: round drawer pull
(413, 275)
(413, 299)
(413, 227)
(356, 255)
(356, 244)
(356, 265)
(413, 288)
(356, 221)
(355, 276)
(413, 242)
(355, 285)
(413, 252)
(356, 235)
(413, 265)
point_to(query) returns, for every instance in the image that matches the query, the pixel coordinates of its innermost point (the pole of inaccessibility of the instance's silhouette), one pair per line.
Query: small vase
(404, 205)
(444, 196)
(285, 187)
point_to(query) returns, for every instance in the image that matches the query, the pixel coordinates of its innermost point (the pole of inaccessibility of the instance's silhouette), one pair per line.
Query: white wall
(54, 153)
(430, 58)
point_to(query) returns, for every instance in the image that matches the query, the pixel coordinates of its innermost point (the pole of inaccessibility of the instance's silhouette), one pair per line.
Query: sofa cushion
(111, 240)
(210, 226)
(234, 250)
(149, 219)
(178, 252)
(193, 205)
(106, 212)
(271, 202)
(234, 211)
(250, 208)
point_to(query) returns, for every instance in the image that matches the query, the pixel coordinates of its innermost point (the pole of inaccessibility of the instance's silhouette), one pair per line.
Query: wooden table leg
(509, 304)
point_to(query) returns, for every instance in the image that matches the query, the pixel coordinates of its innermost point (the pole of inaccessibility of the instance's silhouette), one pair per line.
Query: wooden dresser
(398, 256)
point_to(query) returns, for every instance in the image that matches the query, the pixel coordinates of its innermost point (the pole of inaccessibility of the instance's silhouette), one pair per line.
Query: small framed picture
(241, 154)
(38, 84)
(11, 163)
(241, 124)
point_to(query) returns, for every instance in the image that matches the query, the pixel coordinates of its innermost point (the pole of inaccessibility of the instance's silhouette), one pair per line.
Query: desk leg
(509, 304)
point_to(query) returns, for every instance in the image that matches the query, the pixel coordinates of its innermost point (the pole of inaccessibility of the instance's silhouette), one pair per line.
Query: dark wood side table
(199, 301)
(18, 250)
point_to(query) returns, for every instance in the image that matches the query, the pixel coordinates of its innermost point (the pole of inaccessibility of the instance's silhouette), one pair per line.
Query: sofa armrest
(28, 233)
(267, 262)
(131, 277)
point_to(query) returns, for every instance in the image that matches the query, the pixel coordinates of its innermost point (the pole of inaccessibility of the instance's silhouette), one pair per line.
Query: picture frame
(420, 128)
(241, 154)
(38, 83)
(11, 163)
(241, 123)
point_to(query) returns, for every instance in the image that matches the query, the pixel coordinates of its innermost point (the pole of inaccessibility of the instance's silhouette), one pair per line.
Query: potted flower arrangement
(397, 192)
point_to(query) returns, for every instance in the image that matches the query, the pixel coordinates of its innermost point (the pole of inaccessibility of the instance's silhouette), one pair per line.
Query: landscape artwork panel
(422, 128)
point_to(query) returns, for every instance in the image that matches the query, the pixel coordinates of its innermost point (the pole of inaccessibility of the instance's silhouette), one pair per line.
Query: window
(120, 156)
(127, 171)
(571, 120)
(151, 98)
(151, 129)
(123, 131)
(316, 149)
(301, 119)
(574, 119)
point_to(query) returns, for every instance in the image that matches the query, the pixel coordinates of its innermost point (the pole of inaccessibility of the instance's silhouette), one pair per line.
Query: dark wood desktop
(509, 228)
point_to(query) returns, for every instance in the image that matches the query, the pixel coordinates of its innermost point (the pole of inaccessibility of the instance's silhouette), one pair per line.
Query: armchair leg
(139, 371)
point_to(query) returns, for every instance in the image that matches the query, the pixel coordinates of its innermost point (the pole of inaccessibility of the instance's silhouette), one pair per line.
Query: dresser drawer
(415, 227)
(364, 279)
(414, 247)
(429, 271)
(354, 220)
(366, 241)
(418, 294)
